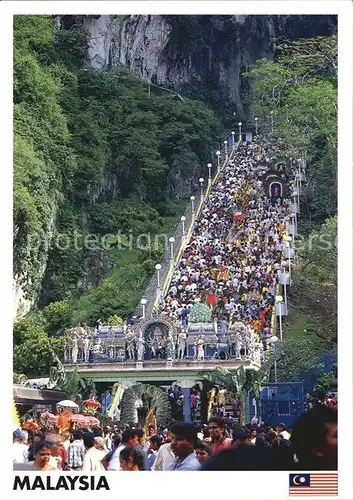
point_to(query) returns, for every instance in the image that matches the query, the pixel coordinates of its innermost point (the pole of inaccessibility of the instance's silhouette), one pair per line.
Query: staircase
(152, 294)
(151, 291)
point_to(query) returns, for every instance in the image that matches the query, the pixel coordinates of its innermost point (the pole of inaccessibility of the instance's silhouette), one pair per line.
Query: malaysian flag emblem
(313, 484)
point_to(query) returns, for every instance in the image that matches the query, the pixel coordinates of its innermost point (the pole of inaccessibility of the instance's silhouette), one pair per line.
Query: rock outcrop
(209, 51)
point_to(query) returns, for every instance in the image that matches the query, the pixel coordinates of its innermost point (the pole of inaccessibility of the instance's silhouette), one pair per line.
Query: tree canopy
(300, 87)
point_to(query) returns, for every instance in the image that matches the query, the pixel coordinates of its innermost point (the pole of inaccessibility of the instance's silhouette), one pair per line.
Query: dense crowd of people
(311, 443)
(236, 246)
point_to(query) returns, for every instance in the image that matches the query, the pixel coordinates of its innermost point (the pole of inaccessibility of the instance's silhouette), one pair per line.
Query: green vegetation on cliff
(300, 88)
(94, 154)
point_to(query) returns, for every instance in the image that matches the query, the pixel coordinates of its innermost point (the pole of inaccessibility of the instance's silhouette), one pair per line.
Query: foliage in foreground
(77, 388)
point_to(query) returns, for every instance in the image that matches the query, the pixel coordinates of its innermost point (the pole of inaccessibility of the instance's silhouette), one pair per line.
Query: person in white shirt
(108, 443)
(282, 431)
(165, 458)
(19, 448)
(130, 437)
(94, 456)
(66, 440)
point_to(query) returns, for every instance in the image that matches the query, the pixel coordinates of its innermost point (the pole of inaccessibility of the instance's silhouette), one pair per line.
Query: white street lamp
(201, 181)
(272, 122)
(239, 125)
(279, 300)
(256, 125)
(171, 241)
(233, 138)
(298, 192)
(226, 148)
(291, 250)
(272, 341)
(218, 153)
(209, 166)
(183, 219)
(192, 199)
(283, 280)
(296, 205)
(158, 267)
(143, 302)
(292, 226)
(289, 239)
(294, 222)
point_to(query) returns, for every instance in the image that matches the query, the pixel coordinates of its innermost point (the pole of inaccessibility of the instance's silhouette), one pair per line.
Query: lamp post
(256, 125)
(171, 241)
(143, 302)
(294, 222)
(272, 341)
(239, 125)
(272, 121)
(201, 181)
(158, 267)
(279, 300)
(226, 149)
(233, 138)
(209, 166)
(289, 239)
(304, 166)
(192, 199)
(294, 195)
(218, 153)
(284, 265)
(300, 173)
(183, 219)
(297, 187)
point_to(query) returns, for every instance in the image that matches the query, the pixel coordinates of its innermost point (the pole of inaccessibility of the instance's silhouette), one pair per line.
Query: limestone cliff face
(21, 305)
(213, 50)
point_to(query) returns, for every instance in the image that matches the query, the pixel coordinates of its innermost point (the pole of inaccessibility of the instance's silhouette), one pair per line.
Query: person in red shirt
(219, 441)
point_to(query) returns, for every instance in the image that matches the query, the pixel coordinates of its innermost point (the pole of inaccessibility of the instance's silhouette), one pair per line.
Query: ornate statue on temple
(199, 348)
(130, 343)
(158, 332)
(66, 354)
(170, 348)
(237, 345)
(157, 343)
(248, 341)
(181, 344)
(56, 372)
(222, 349)
(74, 350)
(160, 345)
(140, 347)
(258, 353)
(86, 346)
(120, 356)
(97, 348)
